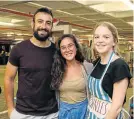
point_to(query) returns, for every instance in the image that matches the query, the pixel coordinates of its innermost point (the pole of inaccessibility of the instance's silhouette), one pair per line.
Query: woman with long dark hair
(68, 77)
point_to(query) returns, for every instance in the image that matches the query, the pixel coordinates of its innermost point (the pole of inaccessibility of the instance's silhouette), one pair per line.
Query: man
(32, 59)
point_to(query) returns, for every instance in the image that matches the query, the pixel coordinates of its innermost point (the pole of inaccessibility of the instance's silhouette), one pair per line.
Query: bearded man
(32, 59)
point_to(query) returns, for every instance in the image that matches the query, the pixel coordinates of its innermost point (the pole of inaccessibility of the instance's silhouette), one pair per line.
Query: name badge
(99, 107)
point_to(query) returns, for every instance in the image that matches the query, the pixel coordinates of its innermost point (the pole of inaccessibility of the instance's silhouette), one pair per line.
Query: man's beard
(41, 37)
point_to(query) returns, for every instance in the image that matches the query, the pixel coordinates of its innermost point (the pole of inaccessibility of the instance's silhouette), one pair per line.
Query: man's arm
(10, 74)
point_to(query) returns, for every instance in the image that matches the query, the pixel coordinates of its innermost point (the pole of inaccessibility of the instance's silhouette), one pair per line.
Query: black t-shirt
(34, 95)
(118, 70)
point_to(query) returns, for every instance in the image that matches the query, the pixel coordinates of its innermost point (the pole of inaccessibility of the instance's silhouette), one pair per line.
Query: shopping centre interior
(78, 17)
(71, 16)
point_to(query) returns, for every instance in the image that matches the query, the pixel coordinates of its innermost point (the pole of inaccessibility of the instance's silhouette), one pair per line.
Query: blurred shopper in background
(3, 55)
(69, 78)
(0, 90)
(86, 50)
(32, 59)
(110, 77)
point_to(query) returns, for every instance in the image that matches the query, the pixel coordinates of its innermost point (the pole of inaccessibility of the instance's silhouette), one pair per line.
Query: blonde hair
(114, 32)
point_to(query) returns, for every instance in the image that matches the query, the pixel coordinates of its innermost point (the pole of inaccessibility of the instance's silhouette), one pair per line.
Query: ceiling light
(131, 23)
(128, 3)
(83, 18)
(90, 2)
(120, 38)
(64, 12)
(8, 35)
(6, 24)
(77, 30)
(74, 29)
(111, 7)
(19, 34)
(11, 33)
(27, 34)
(38, 5)
(19, 39)
(89, 35)
(16, 20)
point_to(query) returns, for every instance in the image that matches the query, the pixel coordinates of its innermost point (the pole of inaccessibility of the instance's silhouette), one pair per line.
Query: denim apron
(100, 101)
(73, 111)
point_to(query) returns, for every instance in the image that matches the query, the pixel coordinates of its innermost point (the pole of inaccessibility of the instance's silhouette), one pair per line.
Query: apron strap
(110, 59)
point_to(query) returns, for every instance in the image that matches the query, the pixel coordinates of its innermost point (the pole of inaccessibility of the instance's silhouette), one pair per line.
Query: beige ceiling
(15, 16)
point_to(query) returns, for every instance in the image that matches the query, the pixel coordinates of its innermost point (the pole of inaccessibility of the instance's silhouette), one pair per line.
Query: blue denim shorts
(73, 111)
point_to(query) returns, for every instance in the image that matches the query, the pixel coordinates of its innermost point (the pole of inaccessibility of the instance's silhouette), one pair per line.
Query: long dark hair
(59, 64)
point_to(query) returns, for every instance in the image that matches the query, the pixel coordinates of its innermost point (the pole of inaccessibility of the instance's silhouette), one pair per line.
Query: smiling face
(103, 40)
(42, 26)
(68, 49)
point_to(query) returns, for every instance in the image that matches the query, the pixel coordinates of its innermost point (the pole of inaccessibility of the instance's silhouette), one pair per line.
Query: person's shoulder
(119, 64)
(96, 61)
(87, 63)
(119, 61)
(88, 66)
(22, 43)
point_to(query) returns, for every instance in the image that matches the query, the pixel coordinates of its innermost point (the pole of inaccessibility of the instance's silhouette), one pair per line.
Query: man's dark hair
(45, 10)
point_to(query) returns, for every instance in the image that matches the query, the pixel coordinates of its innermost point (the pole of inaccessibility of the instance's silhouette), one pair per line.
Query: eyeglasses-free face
(103, 40)
(42, 26)
(68, 48)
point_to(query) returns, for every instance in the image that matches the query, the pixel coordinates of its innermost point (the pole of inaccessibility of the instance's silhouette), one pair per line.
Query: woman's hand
(112, 113)
(119, 92)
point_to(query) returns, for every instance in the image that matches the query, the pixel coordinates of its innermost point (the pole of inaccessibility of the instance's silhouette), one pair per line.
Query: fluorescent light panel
(131, 23)
(38, 5)
(16, 20)
(111, 7)
(77, 30)
(83, 18)
(19, 39)
(6, 24)
(128, 3)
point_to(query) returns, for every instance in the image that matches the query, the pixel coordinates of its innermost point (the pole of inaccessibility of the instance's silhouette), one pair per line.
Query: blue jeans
(73, 111)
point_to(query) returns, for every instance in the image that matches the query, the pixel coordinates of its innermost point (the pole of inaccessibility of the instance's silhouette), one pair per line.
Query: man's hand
(10, 111)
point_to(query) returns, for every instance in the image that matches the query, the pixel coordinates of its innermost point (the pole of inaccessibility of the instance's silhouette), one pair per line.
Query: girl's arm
(119, 92)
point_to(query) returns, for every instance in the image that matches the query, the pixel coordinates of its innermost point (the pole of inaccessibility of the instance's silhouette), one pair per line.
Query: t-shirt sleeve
(14, 56)
(121, 71)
